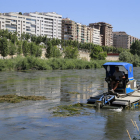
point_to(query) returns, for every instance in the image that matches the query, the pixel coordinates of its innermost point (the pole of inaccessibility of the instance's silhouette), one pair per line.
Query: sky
(123, 15)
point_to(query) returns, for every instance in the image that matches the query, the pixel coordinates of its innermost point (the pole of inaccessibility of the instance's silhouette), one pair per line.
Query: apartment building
(78, 32)
(122, 39)
(81, 33)
(105, 31)
(96, 38)
(69, 29)
(33, 23)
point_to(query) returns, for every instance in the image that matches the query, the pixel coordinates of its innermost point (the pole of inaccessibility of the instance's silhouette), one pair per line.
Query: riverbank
(34, 63)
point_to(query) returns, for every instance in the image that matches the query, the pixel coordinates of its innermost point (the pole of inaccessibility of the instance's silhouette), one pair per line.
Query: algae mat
(72, 110)
(16, 99)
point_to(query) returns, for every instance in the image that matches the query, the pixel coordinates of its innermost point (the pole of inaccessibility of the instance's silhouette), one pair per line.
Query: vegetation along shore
(28, 52)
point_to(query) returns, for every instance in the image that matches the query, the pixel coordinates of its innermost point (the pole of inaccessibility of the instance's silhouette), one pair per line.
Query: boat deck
(128, 100)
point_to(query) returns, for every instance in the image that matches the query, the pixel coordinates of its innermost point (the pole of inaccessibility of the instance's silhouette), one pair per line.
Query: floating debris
(10, 98)
(71, 110)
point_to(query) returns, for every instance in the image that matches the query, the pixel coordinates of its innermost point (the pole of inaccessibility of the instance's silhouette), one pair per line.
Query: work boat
(127, 93)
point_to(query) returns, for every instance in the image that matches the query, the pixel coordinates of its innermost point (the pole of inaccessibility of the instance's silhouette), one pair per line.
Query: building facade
(96, 38)
(81, 33)
(105, 31)
(122, 39)
(33, 23)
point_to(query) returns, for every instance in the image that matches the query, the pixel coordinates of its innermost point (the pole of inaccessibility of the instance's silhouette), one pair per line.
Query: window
(14, 16)
(28, 19)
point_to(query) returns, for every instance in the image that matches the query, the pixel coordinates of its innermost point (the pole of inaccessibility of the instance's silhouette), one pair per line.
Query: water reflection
(53, 84)
(33, 120)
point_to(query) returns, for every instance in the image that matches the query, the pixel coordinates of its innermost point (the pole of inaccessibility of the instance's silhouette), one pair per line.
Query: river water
(32, 120)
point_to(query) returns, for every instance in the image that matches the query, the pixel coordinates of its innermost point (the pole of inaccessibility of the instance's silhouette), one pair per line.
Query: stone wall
(84, 55)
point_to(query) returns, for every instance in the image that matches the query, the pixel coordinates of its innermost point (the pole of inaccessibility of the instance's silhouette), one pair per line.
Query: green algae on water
(73, 92)
(71, 110)
(10, 98)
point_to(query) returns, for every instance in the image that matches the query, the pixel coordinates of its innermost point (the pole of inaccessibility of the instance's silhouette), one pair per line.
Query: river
(32, 120)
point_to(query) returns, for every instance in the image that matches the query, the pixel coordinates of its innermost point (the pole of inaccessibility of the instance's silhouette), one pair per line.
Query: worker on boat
(117, 77)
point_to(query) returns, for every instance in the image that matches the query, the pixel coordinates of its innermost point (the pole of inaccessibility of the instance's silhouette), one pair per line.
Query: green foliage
(52, 51)
(12, 49)
(4, 47)
(136, 60)
(27, 36)
(33, 38)
(126, 57)
(102, 56)
(25, 48)
(2, 65)
(130, 58)
(20, 13)
(14, 38)
(33, 49)
(34, 63)
(71, 52)
(95, 53)
(19, 50)
(135, 48)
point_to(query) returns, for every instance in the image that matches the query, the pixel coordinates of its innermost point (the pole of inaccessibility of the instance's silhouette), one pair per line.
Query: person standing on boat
(118, 77)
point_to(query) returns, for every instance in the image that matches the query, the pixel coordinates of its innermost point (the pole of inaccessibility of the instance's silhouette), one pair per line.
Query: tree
(27, 36)
(39, 52)
(52, 51)
(135, 48)
(19, 50)
(71, 52)
(102, 56)
(49, 51)
(95, 53)
(4, 47)
(126, 57)
(39, 40)
(136, 61)
(20, 13)
(33, 38)
(33, 49)
(25, 48)
(12, 49)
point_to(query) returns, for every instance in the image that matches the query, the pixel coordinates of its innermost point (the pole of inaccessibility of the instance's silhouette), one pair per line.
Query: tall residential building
(96, 38)
(105, 31)
(81, 33)
(69, 31)
(122, 39)
(33, 23)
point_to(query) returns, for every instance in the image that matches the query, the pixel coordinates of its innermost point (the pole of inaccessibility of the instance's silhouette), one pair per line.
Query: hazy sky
(123, 15)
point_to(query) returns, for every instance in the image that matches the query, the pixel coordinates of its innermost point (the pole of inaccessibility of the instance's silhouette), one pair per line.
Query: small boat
(127, 93)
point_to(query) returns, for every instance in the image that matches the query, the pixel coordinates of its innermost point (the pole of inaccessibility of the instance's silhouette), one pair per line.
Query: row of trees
(10, 44)
(25, 48)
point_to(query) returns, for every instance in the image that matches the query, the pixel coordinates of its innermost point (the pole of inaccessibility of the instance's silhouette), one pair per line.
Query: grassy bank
(33, 63)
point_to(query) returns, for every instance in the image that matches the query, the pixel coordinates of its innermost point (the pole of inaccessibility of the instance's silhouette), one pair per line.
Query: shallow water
(34, 121)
